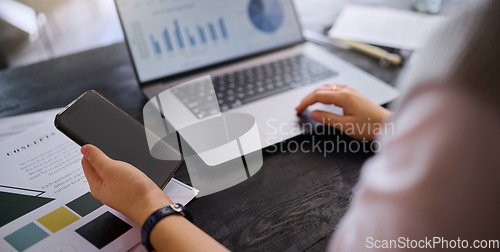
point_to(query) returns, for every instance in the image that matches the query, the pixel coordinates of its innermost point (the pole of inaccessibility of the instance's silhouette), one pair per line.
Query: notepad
(385, 26)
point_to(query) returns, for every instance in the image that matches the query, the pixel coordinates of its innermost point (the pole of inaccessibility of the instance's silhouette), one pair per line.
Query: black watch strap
(159, 214)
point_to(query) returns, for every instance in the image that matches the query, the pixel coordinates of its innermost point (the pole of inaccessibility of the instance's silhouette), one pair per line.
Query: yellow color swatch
(58, 219)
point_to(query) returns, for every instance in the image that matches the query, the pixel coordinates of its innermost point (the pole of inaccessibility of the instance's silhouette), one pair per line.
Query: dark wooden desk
(293, 203)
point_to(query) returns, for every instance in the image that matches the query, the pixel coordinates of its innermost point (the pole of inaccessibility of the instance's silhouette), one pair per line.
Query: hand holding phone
(92, 119)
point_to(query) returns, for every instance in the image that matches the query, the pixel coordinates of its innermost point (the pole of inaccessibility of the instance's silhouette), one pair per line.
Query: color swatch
(26, 237)
(103, 230)
(13, 206)
(84, 204)
(58, 219)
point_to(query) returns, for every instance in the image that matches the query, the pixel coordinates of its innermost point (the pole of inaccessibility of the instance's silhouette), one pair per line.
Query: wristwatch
(158, 215)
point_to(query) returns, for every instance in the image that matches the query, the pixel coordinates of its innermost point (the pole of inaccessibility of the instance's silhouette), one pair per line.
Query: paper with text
(45, 199)
(13, 125)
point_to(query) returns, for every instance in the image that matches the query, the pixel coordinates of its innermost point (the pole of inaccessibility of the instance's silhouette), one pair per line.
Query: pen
(385, 57)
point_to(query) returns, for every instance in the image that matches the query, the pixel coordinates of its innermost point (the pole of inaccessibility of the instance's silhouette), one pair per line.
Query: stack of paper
(385, 26)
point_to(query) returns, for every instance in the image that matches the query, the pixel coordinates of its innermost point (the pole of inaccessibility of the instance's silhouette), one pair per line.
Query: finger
(91, 174)
(330, 119)
(301, 107)
(331, 87)
(324, 96)
(96, 158)
(324, 87)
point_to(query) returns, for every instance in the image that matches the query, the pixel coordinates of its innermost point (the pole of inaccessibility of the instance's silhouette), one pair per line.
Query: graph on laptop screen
(167, 37)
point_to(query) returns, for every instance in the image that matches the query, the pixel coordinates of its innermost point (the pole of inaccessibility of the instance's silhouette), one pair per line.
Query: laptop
(253, 50)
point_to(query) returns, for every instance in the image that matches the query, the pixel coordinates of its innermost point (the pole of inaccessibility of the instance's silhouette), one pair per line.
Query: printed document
(46, 203)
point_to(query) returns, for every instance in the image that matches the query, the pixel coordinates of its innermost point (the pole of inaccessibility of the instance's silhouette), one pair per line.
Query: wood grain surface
(292, 204)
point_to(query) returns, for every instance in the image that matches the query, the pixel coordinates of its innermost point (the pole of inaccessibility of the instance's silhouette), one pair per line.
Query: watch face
(176, 207)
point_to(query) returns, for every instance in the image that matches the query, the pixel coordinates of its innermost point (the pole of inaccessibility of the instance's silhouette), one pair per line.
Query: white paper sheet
(42, 162)
(10, 126)
(385, 26)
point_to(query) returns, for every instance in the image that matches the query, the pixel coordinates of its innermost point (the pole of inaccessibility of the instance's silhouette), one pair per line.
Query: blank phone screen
(93, 120)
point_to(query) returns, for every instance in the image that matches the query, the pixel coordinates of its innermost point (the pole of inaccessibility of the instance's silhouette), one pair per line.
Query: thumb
(95, 157)
(328, 118)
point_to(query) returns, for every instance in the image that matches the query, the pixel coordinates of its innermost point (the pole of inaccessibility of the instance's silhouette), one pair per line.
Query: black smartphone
(92, 119)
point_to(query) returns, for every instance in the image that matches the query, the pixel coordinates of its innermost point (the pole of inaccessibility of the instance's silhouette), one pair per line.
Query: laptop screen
(168, 37)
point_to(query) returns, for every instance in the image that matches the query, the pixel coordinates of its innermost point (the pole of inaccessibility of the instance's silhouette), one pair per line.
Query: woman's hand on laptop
(362, 119)
(121, 186)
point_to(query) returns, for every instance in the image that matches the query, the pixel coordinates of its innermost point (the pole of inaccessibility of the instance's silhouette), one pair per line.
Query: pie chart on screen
(266, 15)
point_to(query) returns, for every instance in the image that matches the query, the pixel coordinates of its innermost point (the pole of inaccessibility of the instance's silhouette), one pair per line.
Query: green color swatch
(13, 206)
(26, 237)
(84, 204)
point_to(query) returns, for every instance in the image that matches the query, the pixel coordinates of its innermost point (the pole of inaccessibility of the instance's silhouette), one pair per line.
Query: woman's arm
(129, 191)
(436, 177)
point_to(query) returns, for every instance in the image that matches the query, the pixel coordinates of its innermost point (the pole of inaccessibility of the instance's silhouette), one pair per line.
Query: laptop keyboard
(251, 84)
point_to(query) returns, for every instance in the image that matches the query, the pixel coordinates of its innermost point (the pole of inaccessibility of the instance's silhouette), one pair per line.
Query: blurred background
(34, 30)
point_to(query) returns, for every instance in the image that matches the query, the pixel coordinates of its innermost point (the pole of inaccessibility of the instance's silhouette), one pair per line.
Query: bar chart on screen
(179, 38)
(168, 37)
